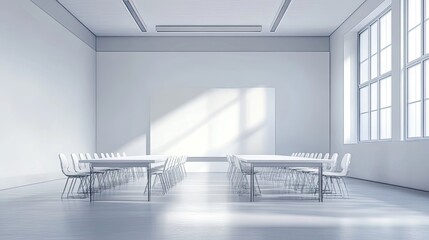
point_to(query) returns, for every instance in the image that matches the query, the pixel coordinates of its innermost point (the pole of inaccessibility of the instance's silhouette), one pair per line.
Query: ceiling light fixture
(208, 28)
(132, 9)
(280, 15)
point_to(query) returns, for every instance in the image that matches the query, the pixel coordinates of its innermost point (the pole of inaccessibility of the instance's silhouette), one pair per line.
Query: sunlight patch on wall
(211, 122)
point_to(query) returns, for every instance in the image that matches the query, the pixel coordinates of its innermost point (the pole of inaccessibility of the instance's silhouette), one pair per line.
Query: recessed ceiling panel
(208, 12)
(103, 17)
(302, 17)
(316, 17)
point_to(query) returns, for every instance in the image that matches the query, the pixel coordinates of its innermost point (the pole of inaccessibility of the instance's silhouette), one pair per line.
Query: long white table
(123, 162)
(282, 161)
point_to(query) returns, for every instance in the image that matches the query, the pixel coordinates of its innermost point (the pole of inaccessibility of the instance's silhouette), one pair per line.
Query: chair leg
(339, 187)
(164, 187)
(154, 181)
(71, 186)
(345, 187)
(145, 189)
(65, 186)
(257, 184)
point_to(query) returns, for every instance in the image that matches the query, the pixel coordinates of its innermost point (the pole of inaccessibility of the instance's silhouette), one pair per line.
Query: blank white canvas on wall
(212, 122)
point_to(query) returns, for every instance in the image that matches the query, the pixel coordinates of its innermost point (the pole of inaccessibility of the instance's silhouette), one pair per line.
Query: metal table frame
(124, 162)
(283, 161)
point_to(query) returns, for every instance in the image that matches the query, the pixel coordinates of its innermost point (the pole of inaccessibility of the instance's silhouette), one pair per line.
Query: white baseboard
(13, 182)
(206, 166)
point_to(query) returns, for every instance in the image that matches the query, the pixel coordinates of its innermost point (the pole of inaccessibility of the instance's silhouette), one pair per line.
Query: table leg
(149, 183)
(90, 183)
(321, 183)
(252, 183)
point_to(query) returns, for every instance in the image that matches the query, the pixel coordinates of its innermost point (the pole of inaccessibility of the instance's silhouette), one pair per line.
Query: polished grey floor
(203, 207)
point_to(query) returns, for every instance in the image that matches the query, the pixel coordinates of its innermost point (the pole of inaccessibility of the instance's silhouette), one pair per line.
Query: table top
(265, 159)
(129, 159)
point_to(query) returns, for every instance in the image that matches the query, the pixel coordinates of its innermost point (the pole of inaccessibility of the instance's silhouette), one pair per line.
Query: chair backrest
(311, 155)
(124, 154)
(103, 155)
(118, 155)
(307, 155)
(88, 156)
(96, 156)
(75, 161)
(326, 156)
(65, 164)
(243, 167)
(167, 163)
(82, 156)
(319, 156)
(345, 164)
(334, 158)
(83, 166)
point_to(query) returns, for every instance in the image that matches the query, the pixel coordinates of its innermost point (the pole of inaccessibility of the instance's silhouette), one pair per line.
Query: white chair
(68, 170)
(333, 166)
(338, 176)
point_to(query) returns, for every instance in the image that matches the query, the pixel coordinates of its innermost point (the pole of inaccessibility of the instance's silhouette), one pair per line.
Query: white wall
(213, 121)
(398, 162)
(125, 81)
(47, 94)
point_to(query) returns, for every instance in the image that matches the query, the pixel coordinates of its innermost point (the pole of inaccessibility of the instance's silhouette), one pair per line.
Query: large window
(375, 80)
(417, 67)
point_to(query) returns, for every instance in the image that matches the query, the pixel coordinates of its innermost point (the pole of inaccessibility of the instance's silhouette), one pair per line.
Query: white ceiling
(302, 18)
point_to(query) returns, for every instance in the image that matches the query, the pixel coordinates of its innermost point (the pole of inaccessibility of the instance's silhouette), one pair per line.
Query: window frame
(422, 59)
(371, 81)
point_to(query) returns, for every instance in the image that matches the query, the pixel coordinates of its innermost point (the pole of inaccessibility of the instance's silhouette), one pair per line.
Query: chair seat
(80, 174)
(248, 172)
(333, 174)
(307, 169)
(101, 169)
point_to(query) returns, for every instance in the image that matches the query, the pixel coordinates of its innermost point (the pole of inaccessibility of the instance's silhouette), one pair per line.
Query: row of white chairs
(104, 178)
(167, 174)
(293, 179)
(333, 174)
(239, 175)
(171, 172)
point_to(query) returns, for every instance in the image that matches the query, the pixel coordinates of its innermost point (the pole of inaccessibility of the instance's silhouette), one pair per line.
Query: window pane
(364, 72)
(374, 66)
(386, 92)
(427, 35)
(427, 78)
(386, 123)
(414, 119)
(374, 38)
(374, 96)
(386, 30)
(364, 127)
(426, 9)
(414, 44)
(427, 118)
(363, 99)
(374, 125)
(386, 60)
(414, 83)
(414, 13)
(363, 41)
